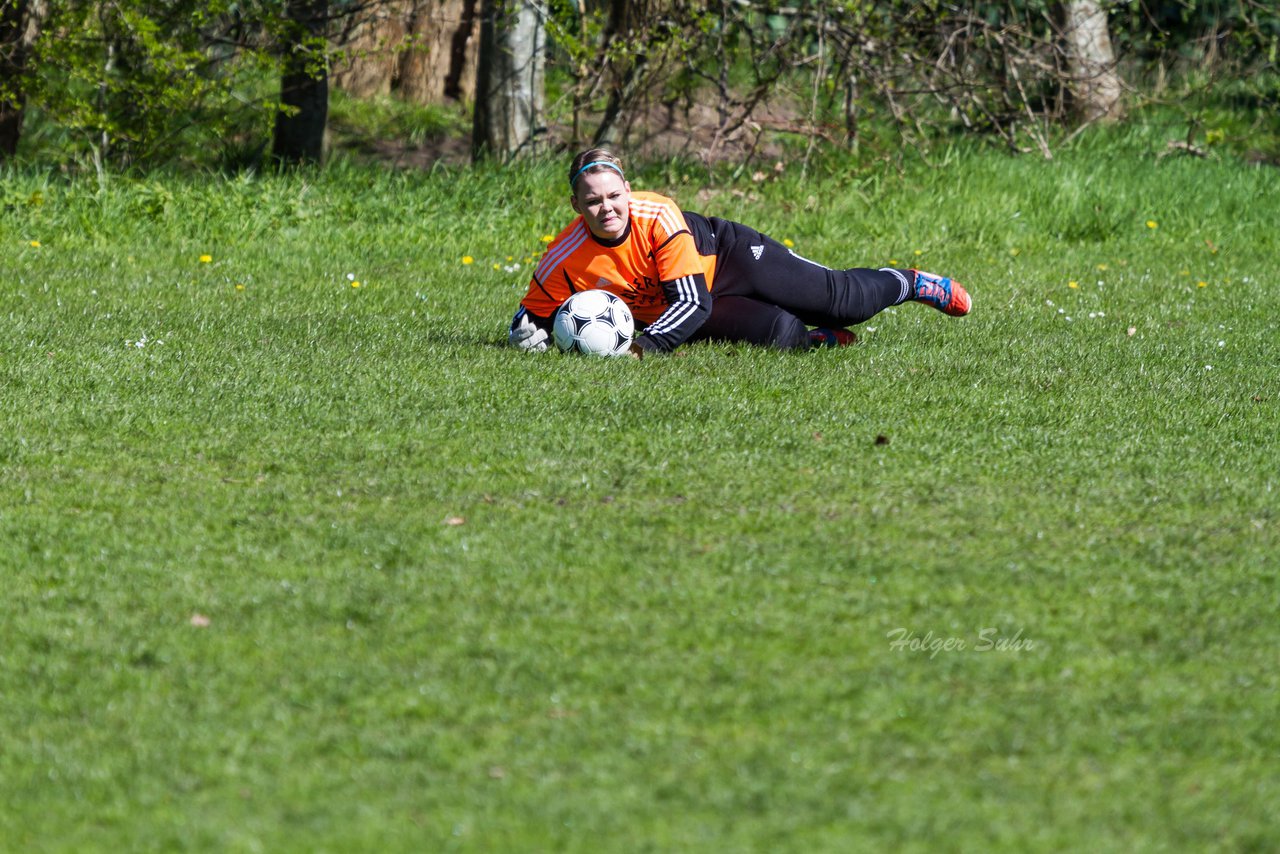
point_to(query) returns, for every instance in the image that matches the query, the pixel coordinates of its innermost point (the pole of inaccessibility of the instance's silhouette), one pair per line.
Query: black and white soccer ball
(593, 322)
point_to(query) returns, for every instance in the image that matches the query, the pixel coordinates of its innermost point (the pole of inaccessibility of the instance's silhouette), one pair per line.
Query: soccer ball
(593, 322)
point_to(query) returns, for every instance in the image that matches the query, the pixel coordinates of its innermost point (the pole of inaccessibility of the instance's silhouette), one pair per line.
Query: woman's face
(602, 198)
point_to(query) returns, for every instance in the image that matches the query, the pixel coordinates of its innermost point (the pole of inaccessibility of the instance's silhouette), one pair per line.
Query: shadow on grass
(453, 338)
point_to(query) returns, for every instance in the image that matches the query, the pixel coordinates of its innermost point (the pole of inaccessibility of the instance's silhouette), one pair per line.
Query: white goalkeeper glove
(526, 333)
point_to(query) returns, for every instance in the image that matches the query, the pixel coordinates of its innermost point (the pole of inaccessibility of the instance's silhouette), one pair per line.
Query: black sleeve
(689, 305)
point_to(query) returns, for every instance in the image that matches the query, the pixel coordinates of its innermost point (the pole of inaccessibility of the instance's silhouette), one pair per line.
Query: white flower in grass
(143, 342)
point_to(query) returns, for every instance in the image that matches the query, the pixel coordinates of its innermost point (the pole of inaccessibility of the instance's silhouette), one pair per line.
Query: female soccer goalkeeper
(689, 277)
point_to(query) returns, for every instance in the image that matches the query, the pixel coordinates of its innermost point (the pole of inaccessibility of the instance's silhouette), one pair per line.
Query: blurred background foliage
(139, 84)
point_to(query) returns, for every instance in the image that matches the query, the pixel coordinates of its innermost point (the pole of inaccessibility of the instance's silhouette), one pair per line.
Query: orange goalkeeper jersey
(656, 248)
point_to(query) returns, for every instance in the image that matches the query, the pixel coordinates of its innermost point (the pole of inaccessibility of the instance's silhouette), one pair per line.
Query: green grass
(463, 598)
(362, 122)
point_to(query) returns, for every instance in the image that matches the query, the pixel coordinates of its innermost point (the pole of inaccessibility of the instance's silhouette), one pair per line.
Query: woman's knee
(736, 318)
(788, 332)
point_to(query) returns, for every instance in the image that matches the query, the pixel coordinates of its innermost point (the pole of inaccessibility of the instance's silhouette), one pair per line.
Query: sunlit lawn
(298, 557)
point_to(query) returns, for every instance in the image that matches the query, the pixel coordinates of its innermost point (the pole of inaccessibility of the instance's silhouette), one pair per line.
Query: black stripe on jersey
(544, 290)
(568, 281)
(658, 249)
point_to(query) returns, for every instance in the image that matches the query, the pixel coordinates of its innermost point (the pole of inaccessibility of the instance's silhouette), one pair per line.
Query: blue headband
(578, 174)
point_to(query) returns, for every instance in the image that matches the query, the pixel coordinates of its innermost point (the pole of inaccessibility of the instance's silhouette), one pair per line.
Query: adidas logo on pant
(757, 251)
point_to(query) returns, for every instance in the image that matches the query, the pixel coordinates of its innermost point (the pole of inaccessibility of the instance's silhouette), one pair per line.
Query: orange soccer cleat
(940, 292)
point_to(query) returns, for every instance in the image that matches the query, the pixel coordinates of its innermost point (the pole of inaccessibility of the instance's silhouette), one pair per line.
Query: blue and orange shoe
(824, 337)
(940, 292)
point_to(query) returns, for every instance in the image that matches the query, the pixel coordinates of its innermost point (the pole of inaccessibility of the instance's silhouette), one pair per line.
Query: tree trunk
(424, 65)
(423, 49)
(510, 96)
(464, 54)
(442, 61)
(618, 25)
(19, 26)
(304, 86)
(372, 41)
(1091, 63)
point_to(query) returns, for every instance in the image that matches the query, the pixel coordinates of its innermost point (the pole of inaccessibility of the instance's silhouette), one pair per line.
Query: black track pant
(765, 294)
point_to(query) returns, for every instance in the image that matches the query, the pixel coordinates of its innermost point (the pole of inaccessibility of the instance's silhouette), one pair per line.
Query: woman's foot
(940, 292)
(824, 337)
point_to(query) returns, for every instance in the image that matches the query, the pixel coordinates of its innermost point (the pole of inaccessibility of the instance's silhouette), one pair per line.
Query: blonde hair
(594, 160)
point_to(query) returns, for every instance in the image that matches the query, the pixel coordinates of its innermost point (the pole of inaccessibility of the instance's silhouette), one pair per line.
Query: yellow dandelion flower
(1151, 223)
(35, 244)
(467, 259)
(919, 251)
(497, 266)
(528, 260)
(547, 238)
(1202, 284)
(239, 286)
(511, 258)
(893, 262)
(1184, 272)
(1015, 252)
(205, 259)
(355, 284)
(788, 242)
(1073, 284)
(1102, 267)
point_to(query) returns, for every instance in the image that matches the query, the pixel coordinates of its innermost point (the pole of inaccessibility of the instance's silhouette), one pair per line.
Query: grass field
(295, 564)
